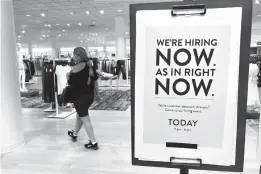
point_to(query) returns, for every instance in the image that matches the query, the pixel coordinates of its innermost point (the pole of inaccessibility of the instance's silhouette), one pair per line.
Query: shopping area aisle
(48, 149)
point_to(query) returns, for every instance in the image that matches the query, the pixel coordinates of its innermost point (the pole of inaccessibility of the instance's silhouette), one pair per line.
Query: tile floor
(48, 149)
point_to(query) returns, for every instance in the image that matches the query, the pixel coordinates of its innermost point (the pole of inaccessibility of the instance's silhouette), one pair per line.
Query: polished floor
(48, 149)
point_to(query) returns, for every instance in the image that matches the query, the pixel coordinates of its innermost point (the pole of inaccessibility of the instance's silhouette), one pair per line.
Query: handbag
(68, 94)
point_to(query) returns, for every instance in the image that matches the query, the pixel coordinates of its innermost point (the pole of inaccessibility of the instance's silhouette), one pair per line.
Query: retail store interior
(47, 31)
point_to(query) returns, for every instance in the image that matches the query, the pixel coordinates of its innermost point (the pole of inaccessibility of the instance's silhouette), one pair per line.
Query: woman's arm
(96, 91)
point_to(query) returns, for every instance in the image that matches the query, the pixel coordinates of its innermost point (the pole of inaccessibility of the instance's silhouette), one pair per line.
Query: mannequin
(21, 68)
(253, 102)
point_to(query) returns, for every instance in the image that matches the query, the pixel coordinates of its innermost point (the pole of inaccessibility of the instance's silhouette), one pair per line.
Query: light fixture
(28, 15)
(57, 24)
(102, 12)
(258, 15)
(82, 34)
(19, 36)
(96, 34)
(81, 40)
(41, 38)
(45, 25)
(86, 41)
(127, 32)
(23, 25)
(48, 31)
(106, 28)
(63, 30)
(80, 24)
(59, 35)
(47, 35)
(68, 25)
(93, 22)
(72, 13)
(49, 25)
(87, 12)
(43, 15)
(119, 10)
(257, 1)
(43, 35)
(65, 34)
(23, 31)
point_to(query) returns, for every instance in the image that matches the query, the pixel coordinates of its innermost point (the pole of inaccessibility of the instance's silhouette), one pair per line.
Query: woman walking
(83, 78)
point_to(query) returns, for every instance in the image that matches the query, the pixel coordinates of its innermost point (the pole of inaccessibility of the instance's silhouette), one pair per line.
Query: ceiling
(94, 29)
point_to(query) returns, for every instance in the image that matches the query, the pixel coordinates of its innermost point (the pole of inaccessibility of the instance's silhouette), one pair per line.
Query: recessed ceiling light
(127, 32)
(47, 35)
(93, 22)
(87, 12)
(68, 25)
(43, 35)
(43, 15)
(258, 15)
(41, 38)
(102, 11)
(86, 41)
(19, 36)
(82, 34)
(63, 30)
(80, 24)
(49, 25)
(23, 25)
(48, 31)
(23, 31)
(96, 34)
(106, 28)
(119, 10)
(28, 15)
(59, 35)
(81, 40)
(72, 13)
(57, 24)
(257, 1)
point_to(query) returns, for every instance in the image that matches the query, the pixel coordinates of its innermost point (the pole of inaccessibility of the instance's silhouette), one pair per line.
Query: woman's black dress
(84, 94)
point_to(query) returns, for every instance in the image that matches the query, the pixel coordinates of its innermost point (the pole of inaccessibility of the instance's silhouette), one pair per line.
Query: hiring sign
(186, 84)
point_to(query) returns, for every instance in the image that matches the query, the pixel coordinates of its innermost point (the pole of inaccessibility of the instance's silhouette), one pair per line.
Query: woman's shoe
(92, 146)
(73, 137)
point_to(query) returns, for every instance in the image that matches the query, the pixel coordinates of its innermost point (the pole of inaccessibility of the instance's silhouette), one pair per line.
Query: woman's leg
(88, 127)
(78, 125)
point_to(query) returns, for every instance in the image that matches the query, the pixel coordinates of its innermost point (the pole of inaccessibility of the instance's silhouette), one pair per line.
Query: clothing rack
(59, 112)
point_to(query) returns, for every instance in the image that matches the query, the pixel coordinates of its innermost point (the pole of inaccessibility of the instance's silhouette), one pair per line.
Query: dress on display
(253, 101)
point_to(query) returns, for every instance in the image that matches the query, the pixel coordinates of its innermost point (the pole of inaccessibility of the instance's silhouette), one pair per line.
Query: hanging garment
(48, 82)
(61, 74)
(253, 95)
(121, 67)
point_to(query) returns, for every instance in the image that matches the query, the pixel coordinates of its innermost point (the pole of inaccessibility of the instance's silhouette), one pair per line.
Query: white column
(86, 47)
(104, 48)
(30, 49)
(11, 124)
(54, 47)
(120, 37)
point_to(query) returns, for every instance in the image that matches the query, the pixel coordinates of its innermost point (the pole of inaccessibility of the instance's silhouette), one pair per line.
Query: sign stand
(141, 50)
(184, 164)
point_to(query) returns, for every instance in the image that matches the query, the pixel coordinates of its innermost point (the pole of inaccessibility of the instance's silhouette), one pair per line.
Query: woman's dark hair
(79, 51)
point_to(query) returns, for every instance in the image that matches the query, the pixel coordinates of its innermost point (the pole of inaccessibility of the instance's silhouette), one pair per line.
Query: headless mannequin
(21, 68)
